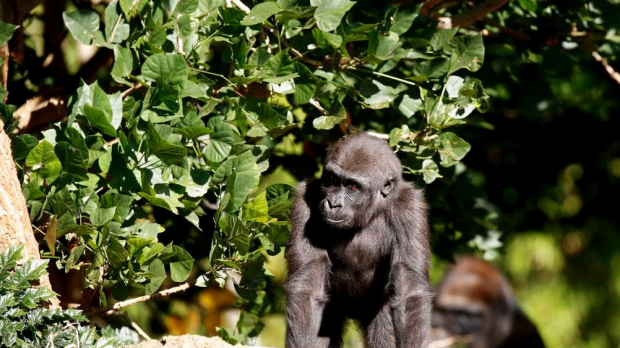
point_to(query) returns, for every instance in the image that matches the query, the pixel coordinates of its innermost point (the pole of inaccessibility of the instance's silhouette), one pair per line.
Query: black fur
(359, 249)
(474, 300)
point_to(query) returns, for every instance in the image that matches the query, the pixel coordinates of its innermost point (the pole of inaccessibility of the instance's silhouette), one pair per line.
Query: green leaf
(123, 64)
(102, 216)
(9, 258)
(187, 6)
(193, 132)
(378, 95)
(83, 24)
(132, 8)
(74, 258)
(260, 13)
(467, 52)
(171, 68)
(116, 30)
(220, 141)
(434, 68)
(409, 106)
(180, 261)
(242, 173)
(74, 161)
(402, 21)
(279, 198)
(98, 119)
(159, 147)
(158, 272)
(329, 13)
(442, 37)
(453, 148)
(6, 32)
(22, 145)
(381, 46)
(43, 156)
(257, 209)
(430, 171)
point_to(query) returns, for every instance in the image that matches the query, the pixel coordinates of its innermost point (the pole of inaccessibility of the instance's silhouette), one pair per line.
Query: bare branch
(472, 15)
(240, 5)
(610, 70)
(112, 309)
(317, 105)
(428, 6)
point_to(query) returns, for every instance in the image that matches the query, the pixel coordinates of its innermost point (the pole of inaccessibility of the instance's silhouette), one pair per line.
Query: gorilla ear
(387, 187)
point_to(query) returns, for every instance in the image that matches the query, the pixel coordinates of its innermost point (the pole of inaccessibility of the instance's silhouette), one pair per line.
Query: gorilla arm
(412, 301)
(306, 284)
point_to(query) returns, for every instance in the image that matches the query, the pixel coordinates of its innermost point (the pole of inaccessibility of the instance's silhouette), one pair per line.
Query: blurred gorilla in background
(475, 304)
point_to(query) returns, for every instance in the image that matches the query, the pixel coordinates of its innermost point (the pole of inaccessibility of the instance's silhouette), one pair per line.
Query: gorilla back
(359, 249)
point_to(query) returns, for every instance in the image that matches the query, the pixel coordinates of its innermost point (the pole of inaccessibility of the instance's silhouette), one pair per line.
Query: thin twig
(136, 326)
(131, 89)
(294, 51)
(240, 5)
(110, 310)
(317, 105)
(610, 70)
(429, 5)
(471, 15)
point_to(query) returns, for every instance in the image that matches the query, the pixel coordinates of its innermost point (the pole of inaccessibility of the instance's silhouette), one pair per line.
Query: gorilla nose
(331, 204)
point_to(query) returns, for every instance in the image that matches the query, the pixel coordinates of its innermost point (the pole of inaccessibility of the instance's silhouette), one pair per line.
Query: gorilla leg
(379, 331)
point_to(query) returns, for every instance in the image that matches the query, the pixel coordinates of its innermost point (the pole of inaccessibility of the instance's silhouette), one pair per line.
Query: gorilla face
(344, 198)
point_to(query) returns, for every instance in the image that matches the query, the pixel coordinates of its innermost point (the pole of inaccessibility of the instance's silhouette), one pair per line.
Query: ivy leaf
(123, 64)
(260, 13)
(402, 21)
(242, 173)
(382, 47)
(74, 258)
(132, 8)
(83, 24)
(98, 119)
(22, 145)
(409, 106)
(220, 141)
(193, 132)
(430, 171)
(466, 52)
(452, 149)
(161, 148)
(257, 209)
(442, 37)
(158, 272)
(187, 6)
(180, 262)
(102, 216)
(329, 13)
(74, 161)
(171, 68)
(116, 30)
(6, 32)
(43, 157)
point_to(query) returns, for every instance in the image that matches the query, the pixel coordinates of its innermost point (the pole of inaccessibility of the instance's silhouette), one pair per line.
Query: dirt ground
(185, 341)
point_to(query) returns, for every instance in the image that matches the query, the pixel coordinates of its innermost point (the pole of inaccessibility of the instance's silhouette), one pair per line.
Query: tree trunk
(15, 227)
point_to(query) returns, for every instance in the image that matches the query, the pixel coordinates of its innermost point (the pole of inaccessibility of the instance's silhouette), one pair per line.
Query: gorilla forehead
(365, 155)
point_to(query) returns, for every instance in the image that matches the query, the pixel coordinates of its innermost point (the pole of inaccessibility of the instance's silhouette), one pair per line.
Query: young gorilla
(475, 299)
(359, 249)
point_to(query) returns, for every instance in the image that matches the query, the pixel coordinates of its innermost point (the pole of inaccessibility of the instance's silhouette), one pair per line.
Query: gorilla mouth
(334, 221)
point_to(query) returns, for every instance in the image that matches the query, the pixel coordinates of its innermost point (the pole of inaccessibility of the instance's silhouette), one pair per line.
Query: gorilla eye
(353, 186)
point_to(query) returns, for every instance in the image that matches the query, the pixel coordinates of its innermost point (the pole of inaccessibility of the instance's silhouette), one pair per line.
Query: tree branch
(472, 15)
(610, 70)
(428, 6)
(112, 309)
